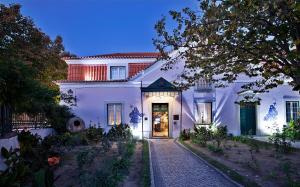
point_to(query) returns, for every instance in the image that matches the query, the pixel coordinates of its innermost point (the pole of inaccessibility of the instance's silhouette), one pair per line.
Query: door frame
(152, 121)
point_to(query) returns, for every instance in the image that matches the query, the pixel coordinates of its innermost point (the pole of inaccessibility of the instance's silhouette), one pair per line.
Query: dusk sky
(91, 27)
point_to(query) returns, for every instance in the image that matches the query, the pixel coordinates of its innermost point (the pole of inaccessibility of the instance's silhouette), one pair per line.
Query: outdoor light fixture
(69, 98)
(161, 94)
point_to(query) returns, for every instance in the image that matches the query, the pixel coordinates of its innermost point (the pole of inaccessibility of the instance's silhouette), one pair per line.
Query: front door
(160, 120)
(248, 118)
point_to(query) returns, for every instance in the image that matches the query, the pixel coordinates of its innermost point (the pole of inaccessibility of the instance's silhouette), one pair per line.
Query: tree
(29, 62)
(225, 39)
(21, 40)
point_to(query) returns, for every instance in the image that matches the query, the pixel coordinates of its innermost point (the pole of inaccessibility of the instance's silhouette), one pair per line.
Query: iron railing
(21, 121)
(10, 121)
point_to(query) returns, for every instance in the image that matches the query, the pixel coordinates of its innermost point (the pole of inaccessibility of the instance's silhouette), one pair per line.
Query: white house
(118, 88)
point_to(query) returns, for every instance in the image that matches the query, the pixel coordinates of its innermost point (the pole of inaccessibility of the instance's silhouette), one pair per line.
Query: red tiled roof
(121, 55)
(89, 81)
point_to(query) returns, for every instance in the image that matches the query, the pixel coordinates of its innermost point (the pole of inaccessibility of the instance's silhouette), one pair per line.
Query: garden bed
(252, 166)
(87, 158)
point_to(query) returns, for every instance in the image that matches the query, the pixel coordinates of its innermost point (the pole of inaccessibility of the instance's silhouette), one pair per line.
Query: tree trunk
(5, 119)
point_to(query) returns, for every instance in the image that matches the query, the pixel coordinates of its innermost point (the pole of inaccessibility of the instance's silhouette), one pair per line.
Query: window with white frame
(292, 110)
(117, 72)
(203, 84)
(114, 113)
(203, 112)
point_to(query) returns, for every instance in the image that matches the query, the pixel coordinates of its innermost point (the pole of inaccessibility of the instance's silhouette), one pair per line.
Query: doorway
(248, 118)
(160, 120)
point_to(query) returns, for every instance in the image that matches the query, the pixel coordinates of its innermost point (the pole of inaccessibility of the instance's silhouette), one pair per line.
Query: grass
(146, 180)
(228, 171)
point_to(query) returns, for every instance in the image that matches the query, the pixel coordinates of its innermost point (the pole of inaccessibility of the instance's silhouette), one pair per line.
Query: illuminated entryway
(163, 106)
(160, 120)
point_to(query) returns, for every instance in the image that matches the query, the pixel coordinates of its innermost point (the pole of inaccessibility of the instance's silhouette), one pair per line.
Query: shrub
(30, 148)
(94, 134)
(17, 170)
(44, 177)
(119, 132)
(215, 149)
(293, 130)
(185, 134)
(65, 139)
(220, 134)
(25, 138)
(77, 139)
(281, 142)
(28, 165)
(105, 144)
(201, 136)
(58, 116)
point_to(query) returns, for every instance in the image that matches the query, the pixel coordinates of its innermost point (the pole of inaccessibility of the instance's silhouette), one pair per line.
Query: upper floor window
(203, 85)
(117, 72)
(292, 110)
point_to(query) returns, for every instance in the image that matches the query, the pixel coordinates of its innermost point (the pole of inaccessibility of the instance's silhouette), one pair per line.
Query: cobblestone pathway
(174, 166)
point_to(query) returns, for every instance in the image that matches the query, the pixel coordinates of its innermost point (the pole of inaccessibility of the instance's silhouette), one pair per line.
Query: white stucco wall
(228, 112)
(93, 97)
(92, 103)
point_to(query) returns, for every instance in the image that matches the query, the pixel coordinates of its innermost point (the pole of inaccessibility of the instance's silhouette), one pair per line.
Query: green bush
(114, 172)
(65, 139)
(281, 142)
(201, 135)
(43, 178)
(28, 165)
(17, 170)
(94, 134)
(220, 134)
(58, 116)
(293, 130)
(119, 132)
(26, 138)
(185, 135)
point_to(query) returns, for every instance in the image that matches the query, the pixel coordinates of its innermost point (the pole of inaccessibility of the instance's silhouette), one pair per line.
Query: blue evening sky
(91, 27)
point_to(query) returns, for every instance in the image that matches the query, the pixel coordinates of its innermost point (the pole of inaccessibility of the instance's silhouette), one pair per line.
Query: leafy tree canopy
(29, 62)
(21, 40)
(225, 39)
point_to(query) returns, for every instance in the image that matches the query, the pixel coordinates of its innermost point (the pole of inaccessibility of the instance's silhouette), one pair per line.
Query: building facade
(132, 88)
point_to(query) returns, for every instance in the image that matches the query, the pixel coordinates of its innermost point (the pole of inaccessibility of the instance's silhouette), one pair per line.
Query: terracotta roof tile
(119, 55)
(89, 81)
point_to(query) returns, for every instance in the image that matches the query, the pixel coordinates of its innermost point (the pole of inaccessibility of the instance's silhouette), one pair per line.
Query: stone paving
(174, 166)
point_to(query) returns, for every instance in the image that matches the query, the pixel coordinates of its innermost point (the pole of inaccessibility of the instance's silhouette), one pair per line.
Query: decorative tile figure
(135, 116)
(272, 113)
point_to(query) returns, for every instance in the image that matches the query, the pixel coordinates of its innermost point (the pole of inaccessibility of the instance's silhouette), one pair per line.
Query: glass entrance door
(160, 120)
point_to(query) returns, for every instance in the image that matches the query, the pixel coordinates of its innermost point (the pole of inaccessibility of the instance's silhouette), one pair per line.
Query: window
(203, 113)
(292, 110)
(117, 72)
(114, 114)
(203, 85)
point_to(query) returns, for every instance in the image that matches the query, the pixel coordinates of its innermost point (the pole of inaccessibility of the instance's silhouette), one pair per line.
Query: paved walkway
(174, 166)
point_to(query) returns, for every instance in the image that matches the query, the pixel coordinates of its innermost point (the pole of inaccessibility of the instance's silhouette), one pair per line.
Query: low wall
(13, 142)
